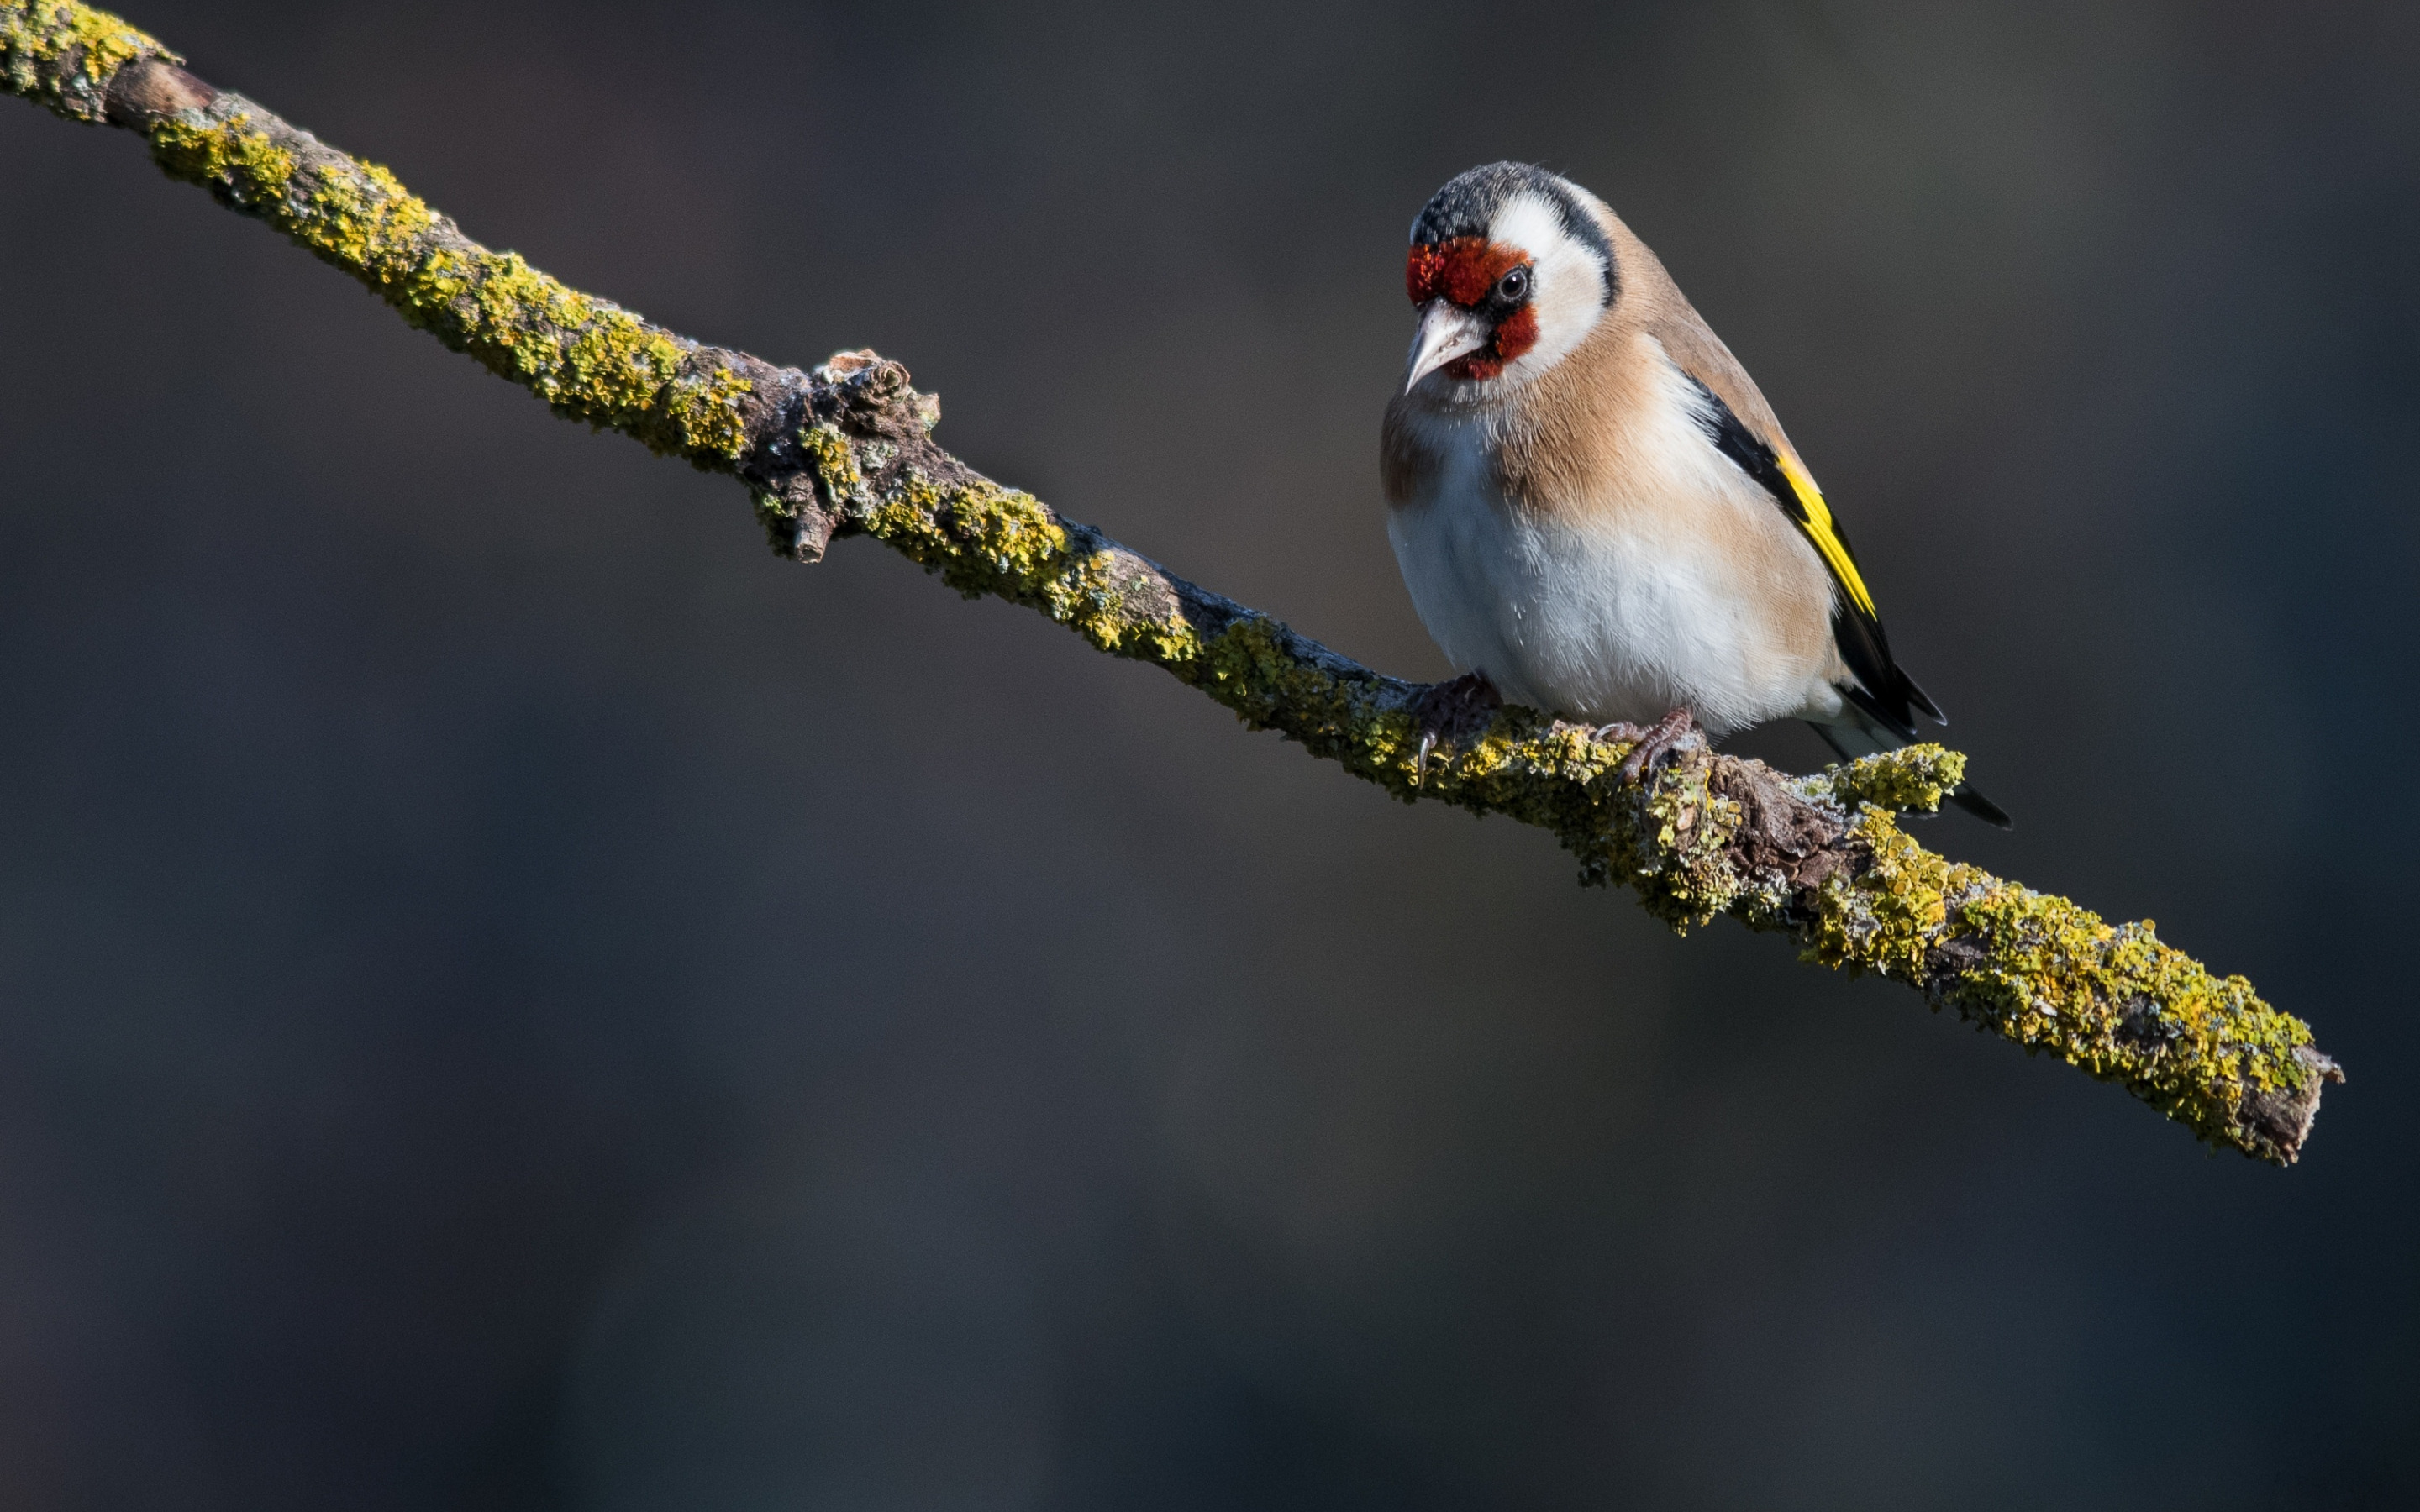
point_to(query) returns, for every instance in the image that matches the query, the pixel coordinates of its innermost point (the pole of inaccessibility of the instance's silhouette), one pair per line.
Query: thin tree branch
(847, 449)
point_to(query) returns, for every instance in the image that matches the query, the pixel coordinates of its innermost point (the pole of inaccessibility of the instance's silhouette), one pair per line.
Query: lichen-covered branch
(847, 449)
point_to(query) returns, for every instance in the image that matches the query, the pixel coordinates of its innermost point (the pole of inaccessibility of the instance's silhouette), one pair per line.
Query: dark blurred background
(511, 997)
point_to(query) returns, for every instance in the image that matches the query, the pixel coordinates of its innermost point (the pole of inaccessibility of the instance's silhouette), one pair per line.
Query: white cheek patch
(1567, 283)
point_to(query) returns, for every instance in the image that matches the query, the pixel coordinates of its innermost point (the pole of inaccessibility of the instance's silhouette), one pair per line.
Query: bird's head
(1510, 269)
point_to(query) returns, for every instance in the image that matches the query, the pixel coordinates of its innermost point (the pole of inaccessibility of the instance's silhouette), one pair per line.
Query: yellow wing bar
(1820, 530)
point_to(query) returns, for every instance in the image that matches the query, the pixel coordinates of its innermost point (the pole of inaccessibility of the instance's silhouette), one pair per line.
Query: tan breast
(1606, 444)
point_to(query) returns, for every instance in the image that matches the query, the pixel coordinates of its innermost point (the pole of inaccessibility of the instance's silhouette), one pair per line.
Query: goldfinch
(1597, 512)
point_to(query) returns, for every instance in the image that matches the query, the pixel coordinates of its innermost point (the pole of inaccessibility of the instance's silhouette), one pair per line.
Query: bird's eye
(1513, 287)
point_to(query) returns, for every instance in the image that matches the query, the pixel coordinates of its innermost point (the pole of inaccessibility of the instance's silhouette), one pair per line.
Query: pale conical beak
(1446, 332)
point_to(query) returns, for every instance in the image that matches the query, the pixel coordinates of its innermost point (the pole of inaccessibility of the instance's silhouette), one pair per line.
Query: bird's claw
(1655, 743)
(1450, 711)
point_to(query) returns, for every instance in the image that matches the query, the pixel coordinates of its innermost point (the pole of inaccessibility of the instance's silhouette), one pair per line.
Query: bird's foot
(1656, 742)
(1451, 712)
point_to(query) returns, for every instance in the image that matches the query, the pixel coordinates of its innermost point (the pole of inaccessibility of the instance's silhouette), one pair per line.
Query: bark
(847, 449)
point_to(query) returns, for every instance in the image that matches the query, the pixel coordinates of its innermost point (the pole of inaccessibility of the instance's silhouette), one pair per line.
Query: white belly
(1628, 613)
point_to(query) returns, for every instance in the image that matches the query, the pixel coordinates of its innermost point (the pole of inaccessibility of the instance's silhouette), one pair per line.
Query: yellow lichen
(230, 157)
(1249, 668)
(63, 56)
(367, 224)
(1914, 777)
(979, 537)
(702, 410)
(2125, 1007)
(2055, 977)
(587, 357)
(1677, 848)
(2041, 971)
(1888, 918)
(836, 465)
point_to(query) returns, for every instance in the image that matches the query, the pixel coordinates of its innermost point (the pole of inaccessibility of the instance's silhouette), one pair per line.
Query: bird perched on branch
(1597, 512)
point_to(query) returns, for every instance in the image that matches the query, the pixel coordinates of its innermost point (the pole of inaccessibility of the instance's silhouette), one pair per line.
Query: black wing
(1883, 691)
